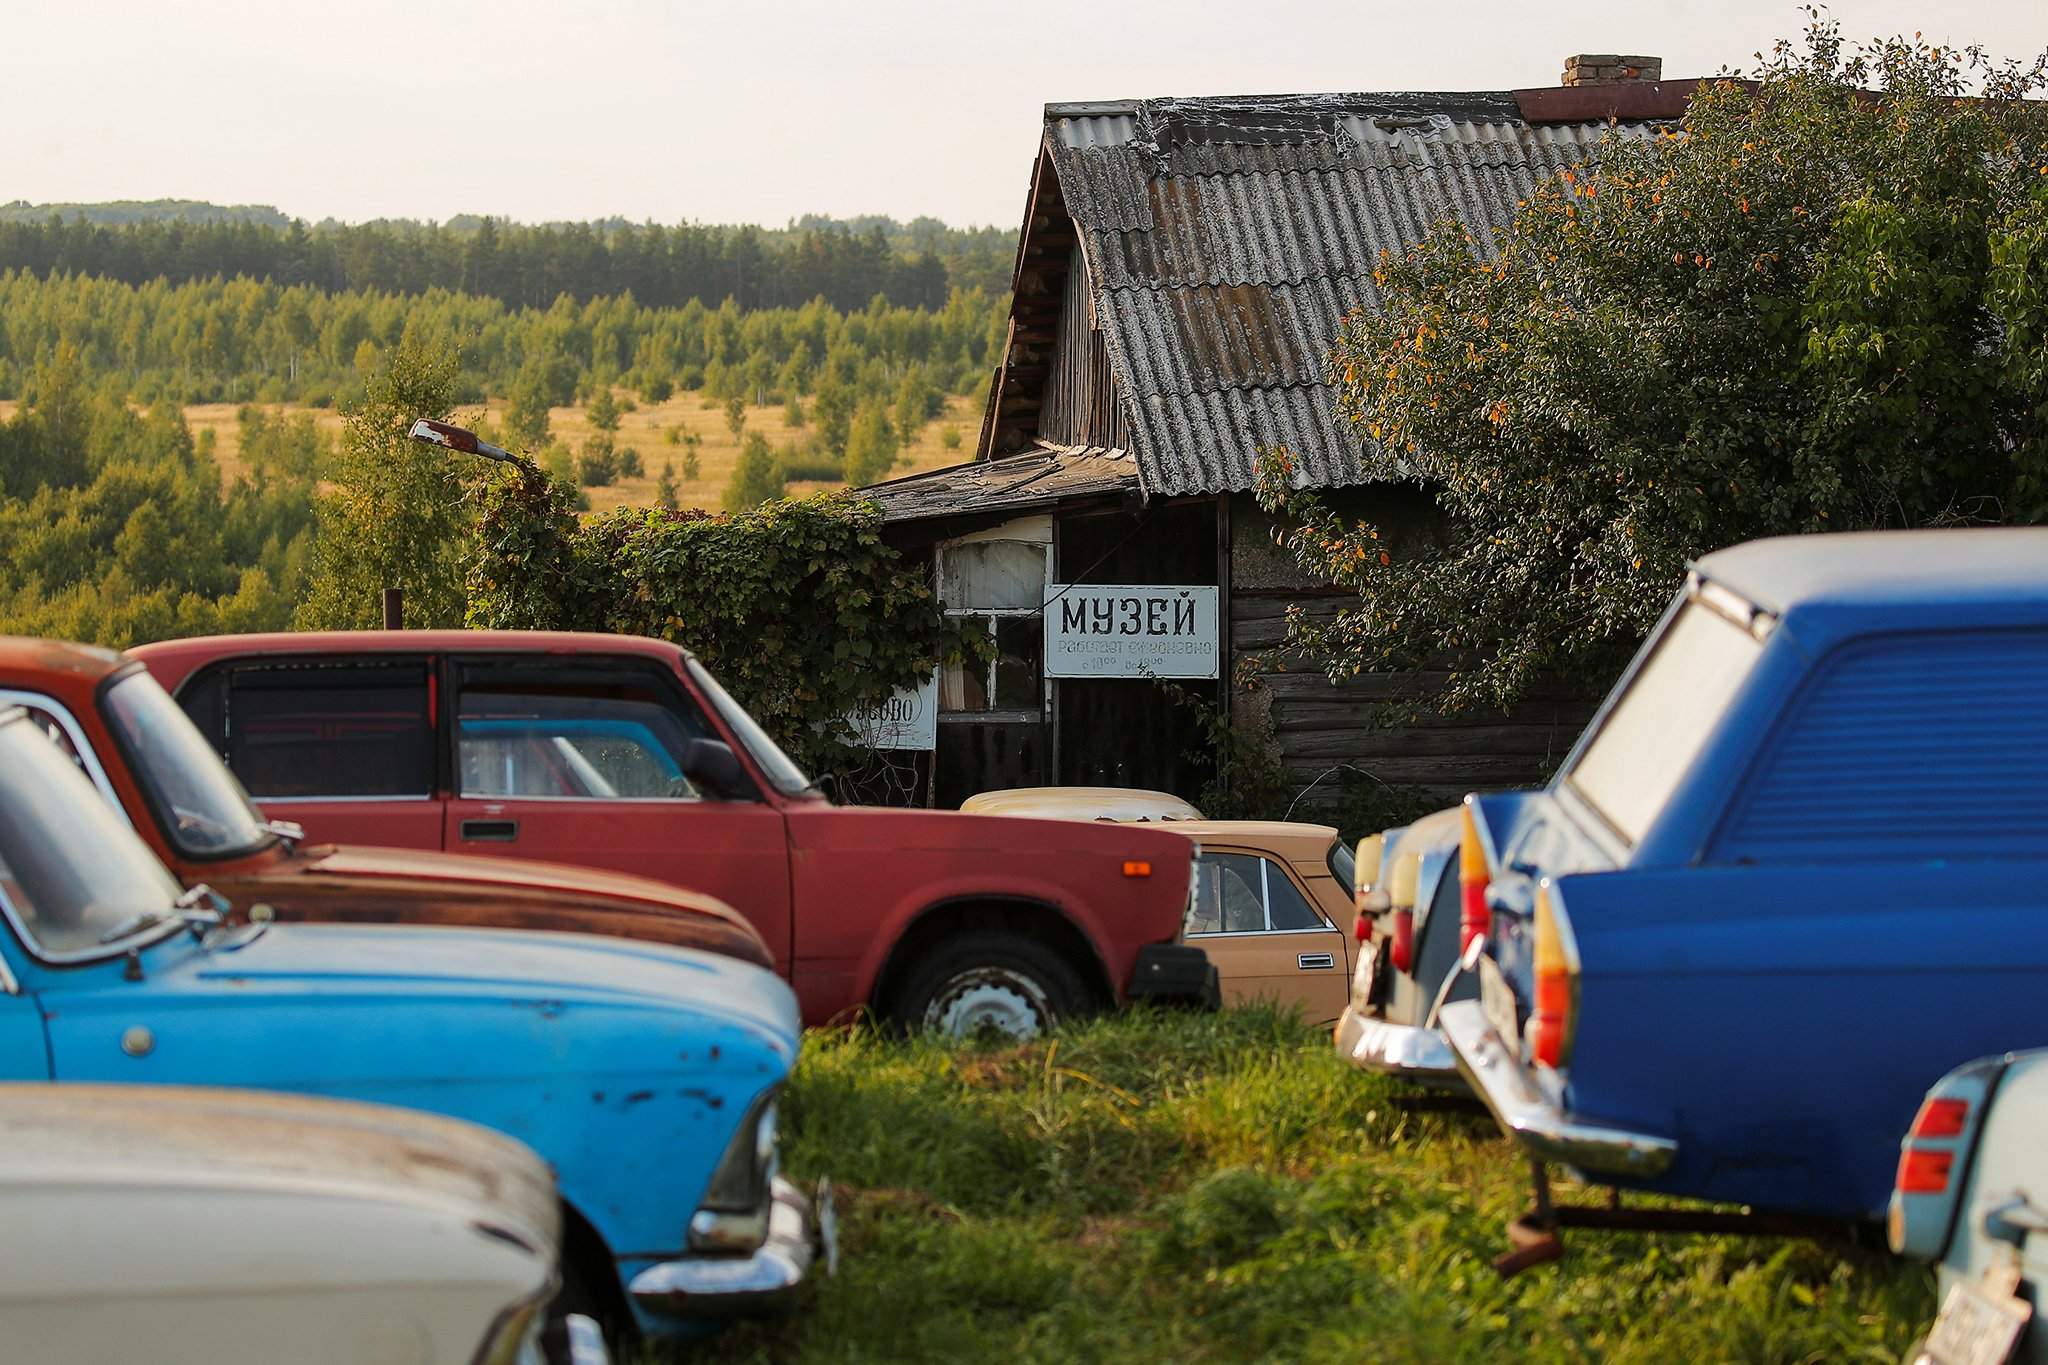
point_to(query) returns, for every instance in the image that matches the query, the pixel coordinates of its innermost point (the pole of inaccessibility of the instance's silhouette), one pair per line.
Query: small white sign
(908, 720)
(1131, 631)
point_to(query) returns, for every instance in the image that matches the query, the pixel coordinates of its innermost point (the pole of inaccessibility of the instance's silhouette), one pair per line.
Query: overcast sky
(731, 112)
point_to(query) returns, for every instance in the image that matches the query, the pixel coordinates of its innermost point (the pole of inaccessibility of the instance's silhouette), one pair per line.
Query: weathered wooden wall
(1080, 406)
(1317, 724)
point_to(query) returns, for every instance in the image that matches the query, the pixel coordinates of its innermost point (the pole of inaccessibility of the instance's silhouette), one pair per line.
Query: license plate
(828, 1227)
(1368, 968)
(1497, 1003)
(1976, 1327)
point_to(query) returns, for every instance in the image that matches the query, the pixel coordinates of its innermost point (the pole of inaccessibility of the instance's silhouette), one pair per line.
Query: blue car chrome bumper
(801, 1234)
(1532, 1117)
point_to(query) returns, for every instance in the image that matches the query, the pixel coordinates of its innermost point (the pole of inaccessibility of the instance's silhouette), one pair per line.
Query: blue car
(1794, 871)
(646, 1076)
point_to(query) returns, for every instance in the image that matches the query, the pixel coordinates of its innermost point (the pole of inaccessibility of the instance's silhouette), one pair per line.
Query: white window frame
(1022, 533)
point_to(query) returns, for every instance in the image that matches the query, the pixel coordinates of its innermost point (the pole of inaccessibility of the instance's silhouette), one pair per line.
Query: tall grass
(1221, 1188)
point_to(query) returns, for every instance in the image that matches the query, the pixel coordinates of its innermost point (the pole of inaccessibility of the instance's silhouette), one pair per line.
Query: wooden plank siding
(1316, 724)
(1080, 407)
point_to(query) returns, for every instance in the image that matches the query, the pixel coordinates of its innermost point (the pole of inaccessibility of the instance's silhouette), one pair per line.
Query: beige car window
(1287, 907)
(1229, 897)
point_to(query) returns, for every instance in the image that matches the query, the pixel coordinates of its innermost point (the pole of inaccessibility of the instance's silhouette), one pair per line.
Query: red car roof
(173, 659)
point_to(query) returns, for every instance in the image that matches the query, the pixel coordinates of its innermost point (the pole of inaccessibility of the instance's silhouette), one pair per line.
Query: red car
(144, 755)
(624, 753)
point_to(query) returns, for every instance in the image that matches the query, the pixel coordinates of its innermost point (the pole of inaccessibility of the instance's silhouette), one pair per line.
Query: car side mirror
(712, 765)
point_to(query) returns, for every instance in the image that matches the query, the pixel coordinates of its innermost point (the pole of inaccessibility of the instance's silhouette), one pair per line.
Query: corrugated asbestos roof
(1039, 477)
(1225, 240)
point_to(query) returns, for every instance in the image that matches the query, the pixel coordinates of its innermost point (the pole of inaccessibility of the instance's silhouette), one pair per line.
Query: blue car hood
(542, 969)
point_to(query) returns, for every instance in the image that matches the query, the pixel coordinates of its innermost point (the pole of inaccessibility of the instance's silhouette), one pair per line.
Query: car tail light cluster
(1554, 1019)
(1474, 919)
(1365, 865)
(1926, 1170)
(1402, 881)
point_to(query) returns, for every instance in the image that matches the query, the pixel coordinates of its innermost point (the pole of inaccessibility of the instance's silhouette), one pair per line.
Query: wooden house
(1183, 269)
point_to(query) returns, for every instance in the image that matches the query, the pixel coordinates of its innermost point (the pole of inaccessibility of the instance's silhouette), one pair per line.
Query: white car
(1971, 1194)
(216, 1227)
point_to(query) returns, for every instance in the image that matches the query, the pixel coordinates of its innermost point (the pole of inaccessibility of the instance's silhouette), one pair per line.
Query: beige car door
(1265, 935)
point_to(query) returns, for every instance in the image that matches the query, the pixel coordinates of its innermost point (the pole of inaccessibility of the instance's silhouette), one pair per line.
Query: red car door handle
(490, 831)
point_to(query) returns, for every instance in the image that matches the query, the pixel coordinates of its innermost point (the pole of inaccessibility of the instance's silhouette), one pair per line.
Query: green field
(1222, 1188)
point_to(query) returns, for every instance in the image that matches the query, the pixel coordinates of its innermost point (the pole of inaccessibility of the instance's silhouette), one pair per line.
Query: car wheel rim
(989, 1000)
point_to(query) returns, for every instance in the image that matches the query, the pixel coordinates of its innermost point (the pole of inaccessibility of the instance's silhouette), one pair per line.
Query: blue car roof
(2001, 566)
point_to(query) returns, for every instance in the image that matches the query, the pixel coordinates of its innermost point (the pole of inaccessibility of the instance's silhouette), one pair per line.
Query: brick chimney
(1606, 68)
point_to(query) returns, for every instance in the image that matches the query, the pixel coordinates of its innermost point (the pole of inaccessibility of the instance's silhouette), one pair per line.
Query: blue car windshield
(1661, 720)
(72, 872)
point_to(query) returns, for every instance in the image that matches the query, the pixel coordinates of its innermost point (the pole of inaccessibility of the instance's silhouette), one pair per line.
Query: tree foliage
(757, 476)
(115, 526)
(798, 606)
(396, 508)
(1808, 308)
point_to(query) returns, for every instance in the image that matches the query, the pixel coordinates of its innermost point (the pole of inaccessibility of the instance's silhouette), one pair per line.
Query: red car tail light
(1474, 918)
(1402, 881)
(1923, 1170)
(1940, 1119)
(1555, 1016)
(1401, 942)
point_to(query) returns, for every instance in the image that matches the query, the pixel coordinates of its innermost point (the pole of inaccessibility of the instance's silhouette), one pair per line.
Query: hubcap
(989, 1000)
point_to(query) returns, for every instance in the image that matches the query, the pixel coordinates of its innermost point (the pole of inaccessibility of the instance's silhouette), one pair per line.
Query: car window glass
(1286, 907)
(60, 734)
(326, 729)
(1661, 720)
(1343, 866)
(1228, 899)
(194, 796)
(74, 877)
(595, 739)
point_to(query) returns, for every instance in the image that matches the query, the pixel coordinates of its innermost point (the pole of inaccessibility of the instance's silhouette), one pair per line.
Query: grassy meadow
(1190, 1188)
(646, 430)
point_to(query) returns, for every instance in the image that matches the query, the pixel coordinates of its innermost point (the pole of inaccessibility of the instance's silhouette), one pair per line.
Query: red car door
(343, 746)
(578, 758)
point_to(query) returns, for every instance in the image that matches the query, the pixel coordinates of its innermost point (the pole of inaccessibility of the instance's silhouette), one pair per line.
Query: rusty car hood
(361, 885)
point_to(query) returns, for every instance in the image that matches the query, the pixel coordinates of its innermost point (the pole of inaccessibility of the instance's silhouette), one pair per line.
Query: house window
(999, 586)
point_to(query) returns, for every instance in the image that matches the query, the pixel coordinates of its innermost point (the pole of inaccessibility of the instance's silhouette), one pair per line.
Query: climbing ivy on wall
(798, 606)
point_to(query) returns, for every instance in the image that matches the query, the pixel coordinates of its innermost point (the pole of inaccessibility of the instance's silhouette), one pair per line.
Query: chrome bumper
(1538, 1122)
(765, 1280)
(1396, 1049)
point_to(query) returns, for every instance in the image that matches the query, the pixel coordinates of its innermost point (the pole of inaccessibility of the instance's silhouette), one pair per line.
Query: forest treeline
(845, 262)
(245, 340)
(116, 525)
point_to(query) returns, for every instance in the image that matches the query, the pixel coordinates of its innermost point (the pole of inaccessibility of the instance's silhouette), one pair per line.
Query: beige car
(1273, 910)
(1131, 804)
(1273, 903)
